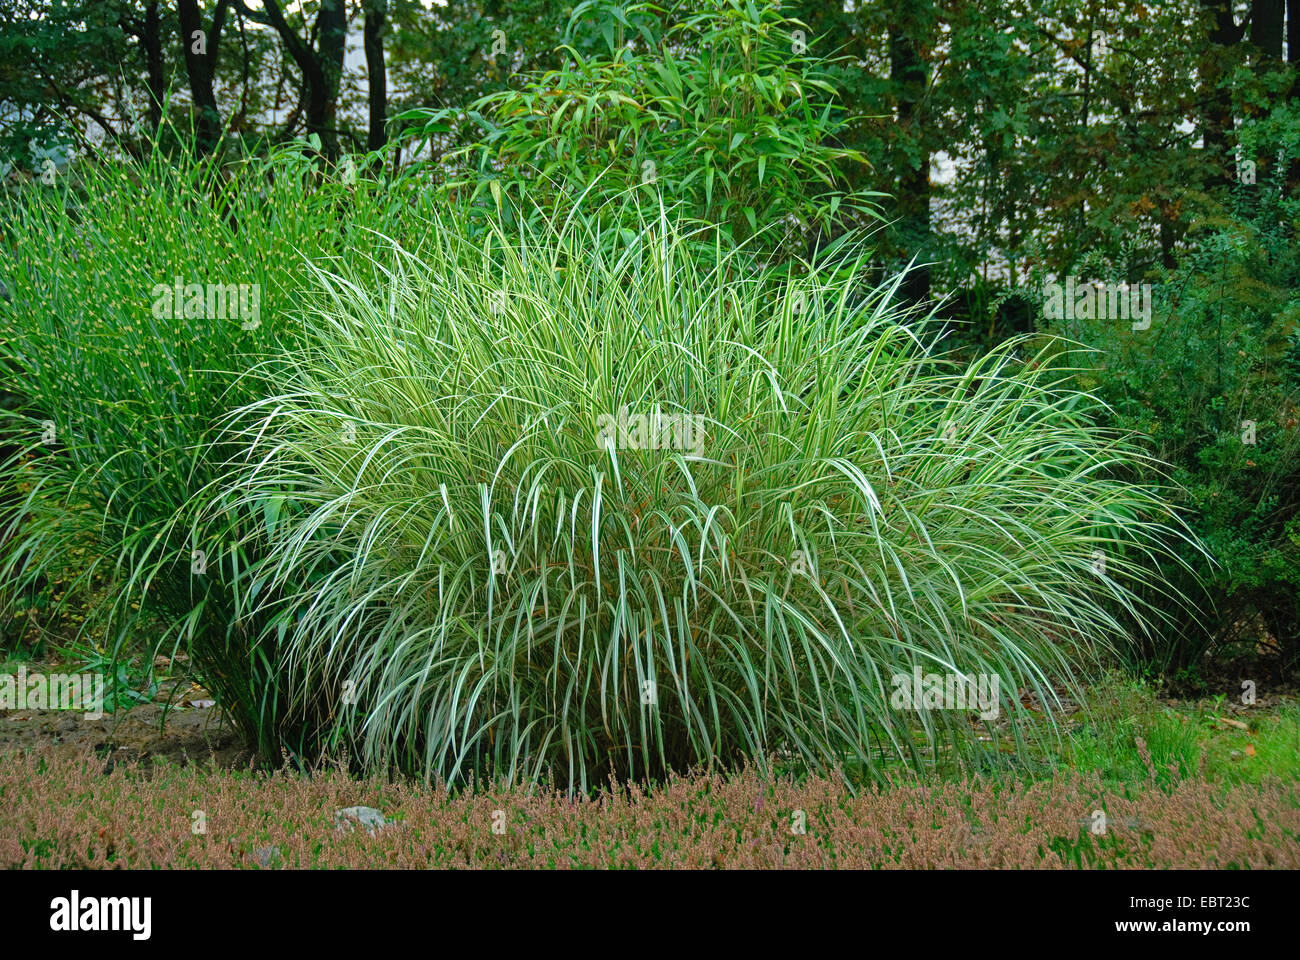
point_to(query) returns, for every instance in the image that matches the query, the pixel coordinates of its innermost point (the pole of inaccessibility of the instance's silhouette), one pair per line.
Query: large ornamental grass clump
(582, 500)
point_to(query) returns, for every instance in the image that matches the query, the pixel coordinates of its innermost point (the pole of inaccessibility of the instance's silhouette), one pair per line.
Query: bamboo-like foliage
(472, 571)
(720, 108)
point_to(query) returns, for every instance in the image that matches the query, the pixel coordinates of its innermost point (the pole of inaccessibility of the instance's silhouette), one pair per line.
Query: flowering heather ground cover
(65, 811)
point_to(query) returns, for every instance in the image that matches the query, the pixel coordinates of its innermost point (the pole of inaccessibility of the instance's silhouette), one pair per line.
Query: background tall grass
(133, 400)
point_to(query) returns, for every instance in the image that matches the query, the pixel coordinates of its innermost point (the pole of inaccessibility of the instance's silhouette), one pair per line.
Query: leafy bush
(721, 112)
(475, 569)
(1215, 384)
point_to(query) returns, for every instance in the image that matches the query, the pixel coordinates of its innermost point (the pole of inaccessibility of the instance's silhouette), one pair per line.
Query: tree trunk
(200, 66)
(909, 74)
(1293, 34)
(332, 30)
(1216, 122)
(153, 59)
(1266, 26)
(321, 70)
(376, 71)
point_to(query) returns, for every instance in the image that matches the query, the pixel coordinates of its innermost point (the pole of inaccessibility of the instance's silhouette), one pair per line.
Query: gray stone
(370, 818)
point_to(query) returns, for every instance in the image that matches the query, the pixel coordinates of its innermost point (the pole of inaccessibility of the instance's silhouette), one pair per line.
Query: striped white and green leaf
(471, 576)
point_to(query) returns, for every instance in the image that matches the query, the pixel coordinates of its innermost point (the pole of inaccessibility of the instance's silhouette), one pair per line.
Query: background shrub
(1215, 383)
(742, 137)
